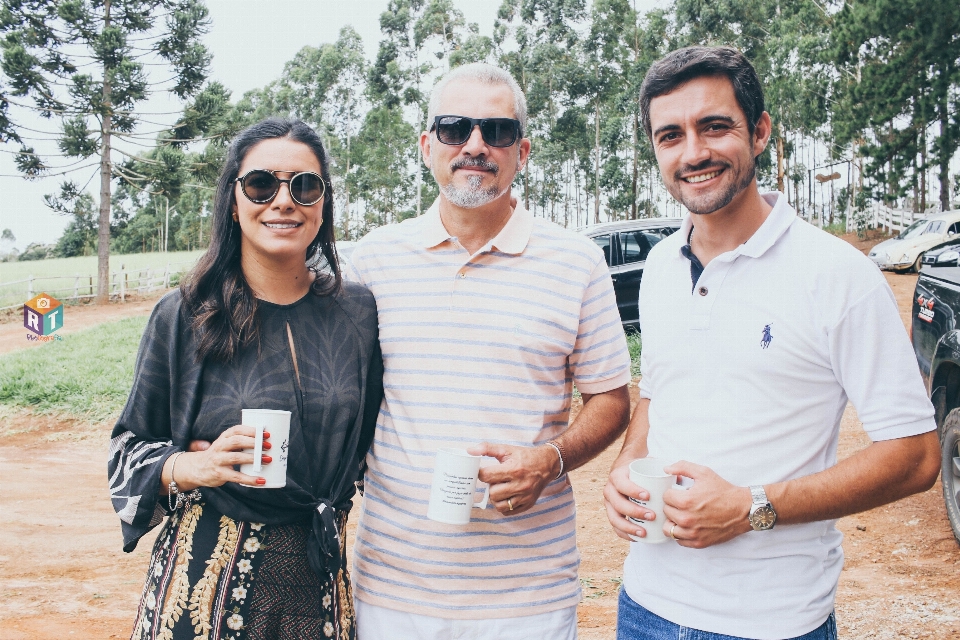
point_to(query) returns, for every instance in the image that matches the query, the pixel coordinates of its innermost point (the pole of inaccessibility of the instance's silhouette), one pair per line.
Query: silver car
(905, 252)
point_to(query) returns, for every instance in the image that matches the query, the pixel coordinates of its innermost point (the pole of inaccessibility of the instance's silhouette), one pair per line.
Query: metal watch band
(758, 494)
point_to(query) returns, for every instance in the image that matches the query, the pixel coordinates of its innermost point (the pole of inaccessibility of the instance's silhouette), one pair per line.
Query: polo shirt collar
(513, 238)
(781, 217)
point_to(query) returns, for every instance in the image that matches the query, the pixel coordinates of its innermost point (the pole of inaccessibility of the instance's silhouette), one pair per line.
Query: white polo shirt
(749, 374)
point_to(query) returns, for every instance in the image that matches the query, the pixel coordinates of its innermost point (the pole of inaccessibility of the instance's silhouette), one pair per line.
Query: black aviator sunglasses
(261, 186)
(496, 132)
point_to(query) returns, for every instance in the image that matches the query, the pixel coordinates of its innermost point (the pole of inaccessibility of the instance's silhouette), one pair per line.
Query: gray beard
(471, 196)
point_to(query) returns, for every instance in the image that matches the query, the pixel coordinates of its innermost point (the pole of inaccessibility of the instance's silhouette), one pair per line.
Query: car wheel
(950, 468)
(915, 267)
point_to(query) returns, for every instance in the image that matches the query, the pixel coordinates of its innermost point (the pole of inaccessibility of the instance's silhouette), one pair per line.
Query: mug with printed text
(454, 484)
(648, 473)
(277, 424)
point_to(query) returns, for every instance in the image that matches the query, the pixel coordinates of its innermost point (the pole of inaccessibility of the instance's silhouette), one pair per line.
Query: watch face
(763, 518)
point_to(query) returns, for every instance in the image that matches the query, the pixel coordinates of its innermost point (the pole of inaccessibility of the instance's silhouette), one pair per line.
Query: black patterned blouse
(176, 399)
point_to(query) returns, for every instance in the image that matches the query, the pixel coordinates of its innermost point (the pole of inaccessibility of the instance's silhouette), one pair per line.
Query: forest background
(868, 88)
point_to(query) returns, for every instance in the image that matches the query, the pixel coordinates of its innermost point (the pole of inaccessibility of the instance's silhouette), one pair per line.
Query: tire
(917, 264)
(950, 469)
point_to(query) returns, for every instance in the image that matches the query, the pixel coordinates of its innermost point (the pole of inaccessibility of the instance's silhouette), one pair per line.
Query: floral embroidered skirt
(215, 578)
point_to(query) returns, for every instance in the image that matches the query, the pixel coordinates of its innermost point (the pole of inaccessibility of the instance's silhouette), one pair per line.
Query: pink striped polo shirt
(478, 348)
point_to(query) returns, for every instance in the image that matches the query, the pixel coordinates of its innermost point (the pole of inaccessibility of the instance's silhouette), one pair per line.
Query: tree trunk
(633, 187)
(166, 225)
(780, 158)
(946, 149)
(923, 168)
(596, 166)
(103, 231)
(346, 191)
(526, 186)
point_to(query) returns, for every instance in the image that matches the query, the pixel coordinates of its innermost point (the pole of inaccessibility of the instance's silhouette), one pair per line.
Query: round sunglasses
(261, 186)
(496, 132)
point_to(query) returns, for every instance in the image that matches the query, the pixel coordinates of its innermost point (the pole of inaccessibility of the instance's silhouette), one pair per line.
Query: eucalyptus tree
(83, 62)
(900, 64)
(326, 88)
(786, 42)
(544, 60)
(605, 57)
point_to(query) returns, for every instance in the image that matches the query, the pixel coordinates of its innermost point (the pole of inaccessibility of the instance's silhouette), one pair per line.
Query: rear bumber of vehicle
(936, 339)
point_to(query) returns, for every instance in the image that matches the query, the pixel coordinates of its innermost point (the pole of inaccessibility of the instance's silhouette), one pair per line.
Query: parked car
(945, 255)
(625, 246)
(905, 252)
(935, 332)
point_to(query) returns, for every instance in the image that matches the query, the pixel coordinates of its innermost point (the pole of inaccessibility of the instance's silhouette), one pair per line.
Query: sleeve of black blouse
(141, 440)
(371, 407)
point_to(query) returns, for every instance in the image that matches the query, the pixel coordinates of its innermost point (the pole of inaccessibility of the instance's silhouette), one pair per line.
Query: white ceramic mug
(454, 484)
(277, 424)
(648, 473)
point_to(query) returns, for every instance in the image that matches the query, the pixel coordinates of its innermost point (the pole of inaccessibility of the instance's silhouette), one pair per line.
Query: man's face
(474, 173)
(703, 144)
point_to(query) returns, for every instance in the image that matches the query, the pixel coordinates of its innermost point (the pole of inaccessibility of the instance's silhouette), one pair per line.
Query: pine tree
(47, 51)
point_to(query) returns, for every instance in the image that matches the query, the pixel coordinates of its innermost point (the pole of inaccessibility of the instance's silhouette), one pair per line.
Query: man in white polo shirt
(758, 328)
(488, 316)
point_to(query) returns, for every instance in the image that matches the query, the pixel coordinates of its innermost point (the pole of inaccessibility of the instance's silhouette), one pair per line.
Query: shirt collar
(778, 221)
(513, 238)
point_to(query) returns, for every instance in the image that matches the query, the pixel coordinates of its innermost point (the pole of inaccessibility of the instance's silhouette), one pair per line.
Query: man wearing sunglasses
(488, 316)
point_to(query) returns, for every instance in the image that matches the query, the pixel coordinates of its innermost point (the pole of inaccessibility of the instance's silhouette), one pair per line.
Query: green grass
(67, 269)
(87, 374)
(634, 342)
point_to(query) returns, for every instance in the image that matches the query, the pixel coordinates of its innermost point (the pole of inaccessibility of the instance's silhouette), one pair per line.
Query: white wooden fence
(896, 219)
(79, 287)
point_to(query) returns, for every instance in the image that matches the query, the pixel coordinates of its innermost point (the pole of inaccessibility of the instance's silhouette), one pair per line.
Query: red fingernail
(266, 434)
(267, 445)
(267, 459)
(261, 481)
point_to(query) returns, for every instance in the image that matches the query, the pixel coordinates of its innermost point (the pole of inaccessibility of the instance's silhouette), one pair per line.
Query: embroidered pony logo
(767, 337)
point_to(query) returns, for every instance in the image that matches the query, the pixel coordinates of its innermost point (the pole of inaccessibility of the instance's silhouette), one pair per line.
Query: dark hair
(216, 294)
(680, 66)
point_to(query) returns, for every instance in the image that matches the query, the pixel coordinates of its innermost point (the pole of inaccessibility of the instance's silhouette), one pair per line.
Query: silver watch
(762, 516)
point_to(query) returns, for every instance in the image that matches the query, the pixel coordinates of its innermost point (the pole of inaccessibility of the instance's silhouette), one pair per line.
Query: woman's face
(280, 229)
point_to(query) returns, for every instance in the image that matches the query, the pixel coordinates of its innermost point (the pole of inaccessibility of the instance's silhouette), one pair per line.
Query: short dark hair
(218, 298)
(683, 65)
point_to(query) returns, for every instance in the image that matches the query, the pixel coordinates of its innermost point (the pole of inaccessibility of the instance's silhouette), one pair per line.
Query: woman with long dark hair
(252, 327)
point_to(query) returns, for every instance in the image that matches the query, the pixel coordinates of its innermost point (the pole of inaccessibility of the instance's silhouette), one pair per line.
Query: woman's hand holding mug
(214, 465)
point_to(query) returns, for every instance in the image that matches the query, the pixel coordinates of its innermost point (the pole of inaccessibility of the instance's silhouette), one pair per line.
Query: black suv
(625, 246)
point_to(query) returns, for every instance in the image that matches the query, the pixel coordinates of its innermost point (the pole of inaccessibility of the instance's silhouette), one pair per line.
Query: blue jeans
(636, 623)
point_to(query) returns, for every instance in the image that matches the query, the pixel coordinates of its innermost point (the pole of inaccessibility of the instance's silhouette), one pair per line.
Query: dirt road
(63, 575)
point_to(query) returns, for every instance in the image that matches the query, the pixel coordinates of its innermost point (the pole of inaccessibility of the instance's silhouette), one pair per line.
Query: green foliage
(899, 66)
(37, 251)
(634, 346)
(82, 62)
(87, 374)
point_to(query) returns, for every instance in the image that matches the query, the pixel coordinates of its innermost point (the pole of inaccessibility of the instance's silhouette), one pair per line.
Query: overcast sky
(250, 41)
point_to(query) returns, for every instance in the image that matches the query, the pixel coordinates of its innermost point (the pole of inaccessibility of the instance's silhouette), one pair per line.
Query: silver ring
(510, 503)
(672, 530)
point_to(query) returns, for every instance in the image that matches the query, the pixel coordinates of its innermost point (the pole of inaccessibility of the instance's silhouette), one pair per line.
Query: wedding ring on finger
(510, 503)
(672, 529)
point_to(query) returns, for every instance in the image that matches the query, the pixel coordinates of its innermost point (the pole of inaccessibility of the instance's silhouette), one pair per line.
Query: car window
(913, 230)
(935, 227)
(604, 243)
(954, 229)
(637, 244)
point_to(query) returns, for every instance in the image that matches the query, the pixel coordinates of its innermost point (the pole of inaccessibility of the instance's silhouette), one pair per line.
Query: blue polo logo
(767, 337)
